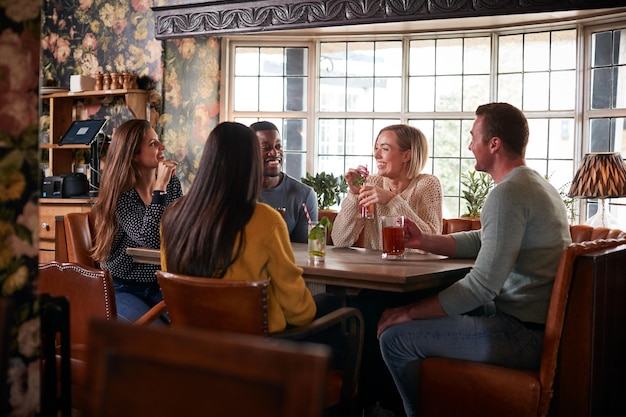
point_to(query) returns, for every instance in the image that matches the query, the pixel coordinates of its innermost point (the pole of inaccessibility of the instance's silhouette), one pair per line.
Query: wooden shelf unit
(61, 158)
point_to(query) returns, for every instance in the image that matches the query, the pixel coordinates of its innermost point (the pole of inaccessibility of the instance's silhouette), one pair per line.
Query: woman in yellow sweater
(219, 230)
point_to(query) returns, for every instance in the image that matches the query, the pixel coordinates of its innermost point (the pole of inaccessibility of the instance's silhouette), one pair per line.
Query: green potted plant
(327, 187)
(476, 187)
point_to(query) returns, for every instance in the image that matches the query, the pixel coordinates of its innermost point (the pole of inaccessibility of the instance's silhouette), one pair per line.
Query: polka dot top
(139, 227)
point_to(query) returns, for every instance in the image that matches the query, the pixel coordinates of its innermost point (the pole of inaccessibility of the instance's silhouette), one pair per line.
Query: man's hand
(393, 316)
(412, 235)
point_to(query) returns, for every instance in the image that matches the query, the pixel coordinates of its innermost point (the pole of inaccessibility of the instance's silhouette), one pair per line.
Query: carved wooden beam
(255, 16)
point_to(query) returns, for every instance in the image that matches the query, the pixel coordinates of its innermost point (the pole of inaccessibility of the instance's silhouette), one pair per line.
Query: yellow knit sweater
(267, 254)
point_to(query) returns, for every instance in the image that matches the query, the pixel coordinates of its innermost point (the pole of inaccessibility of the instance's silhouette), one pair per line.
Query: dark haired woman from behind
(137, 184)
(219, 230)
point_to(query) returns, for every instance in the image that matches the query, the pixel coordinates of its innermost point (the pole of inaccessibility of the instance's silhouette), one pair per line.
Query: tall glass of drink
(368, 210)
(393, 237)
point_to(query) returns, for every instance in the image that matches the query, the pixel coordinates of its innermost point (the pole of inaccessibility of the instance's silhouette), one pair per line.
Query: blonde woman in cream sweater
(399, 189)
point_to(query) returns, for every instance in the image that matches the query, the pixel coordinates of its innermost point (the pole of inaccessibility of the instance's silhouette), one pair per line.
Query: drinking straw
(306, 211)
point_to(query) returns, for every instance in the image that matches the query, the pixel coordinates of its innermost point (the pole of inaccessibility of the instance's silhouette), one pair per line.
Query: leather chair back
(241, 306)
(456, 387)
(140, 371)
(460, 225)
(215, 304)
(88, 290)
(79, 238)
(584, 233)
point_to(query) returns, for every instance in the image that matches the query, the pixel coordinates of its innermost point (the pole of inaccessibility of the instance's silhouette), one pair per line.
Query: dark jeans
(375, 381)
(134, 299)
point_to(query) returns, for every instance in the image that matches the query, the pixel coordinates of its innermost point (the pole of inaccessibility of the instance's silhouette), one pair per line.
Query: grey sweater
(524, 231)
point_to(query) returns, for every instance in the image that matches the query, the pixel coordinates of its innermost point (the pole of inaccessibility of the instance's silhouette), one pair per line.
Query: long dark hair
(120, 174)
(202, 232)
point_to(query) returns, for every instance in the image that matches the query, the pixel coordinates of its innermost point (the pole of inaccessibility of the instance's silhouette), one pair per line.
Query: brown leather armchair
(450, 387)
(139, 371)
(241, 306)
(74, 239)
(584, 233)
(90, 295)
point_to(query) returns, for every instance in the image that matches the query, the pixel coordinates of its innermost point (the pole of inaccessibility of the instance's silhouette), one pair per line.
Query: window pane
(447, 169)
(332, 164)
(560, 174)
(333, 59)
(600, 140)
(475, 91)
(538, 139)
(246, 61)
(561, 139)
(296, 61)
(294, 135)
(619, 47)
(601, 48)
(271, 61)
(562, 90)
(360, 94)
(360, 59)
(510, 89)
(601, 88)
(359, 137)
(537, 52)
(246, 94)
(608, 135)
(619, 87)
(388, 95)
(510, 53)
(536, 91)
(294, 164)
(422, 94)
(449, 56)
(388, 59)
(271, 94)
(332, 94)
(422, 57)
(563, 50)
(295, 93)
(477, 56)
(447, 138)
(449, 89)
(331, 136)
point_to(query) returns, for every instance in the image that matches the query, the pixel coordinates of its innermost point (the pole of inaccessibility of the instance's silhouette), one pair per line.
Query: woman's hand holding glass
(355, 178)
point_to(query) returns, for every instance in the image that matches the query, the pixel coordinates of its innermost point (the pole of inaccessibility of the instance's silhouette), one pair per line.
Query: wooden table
(358, 268)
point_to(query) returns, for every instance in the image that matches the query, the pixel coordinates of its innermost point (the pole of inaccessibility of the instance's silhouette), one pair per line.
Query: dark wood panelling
(227, 17)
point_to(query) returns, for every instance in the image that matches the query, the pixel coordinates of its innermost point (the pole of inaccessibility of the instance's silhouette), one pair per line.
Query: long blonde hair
(120, 175)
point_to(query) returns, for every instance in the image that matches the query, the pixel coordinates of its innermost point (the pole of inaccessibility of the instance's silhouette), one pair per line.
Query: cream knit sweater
(420, 202)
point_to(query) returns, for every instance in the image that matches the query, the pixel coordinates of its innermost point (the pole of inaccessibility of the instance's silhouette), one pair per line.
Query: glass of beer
(393, 237)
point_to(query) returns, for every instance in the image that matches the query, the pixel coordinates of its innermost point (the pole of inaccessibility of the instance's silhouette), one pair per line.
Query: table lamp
(601, 175)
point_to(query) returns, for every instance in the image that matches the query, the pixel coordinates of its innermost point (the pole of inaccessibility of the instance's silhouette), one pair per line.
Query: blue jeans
(495, 338)
(133, 300)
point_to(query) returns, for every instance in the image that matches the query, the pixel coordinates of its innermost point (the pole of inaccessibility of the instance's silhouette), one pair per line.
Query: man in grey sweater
(280, 190)
(497, 312)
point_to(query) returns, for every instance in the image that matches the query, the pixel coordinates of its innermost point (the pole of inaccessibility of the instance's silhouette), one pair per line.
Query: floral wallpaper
(81, 37)
(19, 162)
(182, 76)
